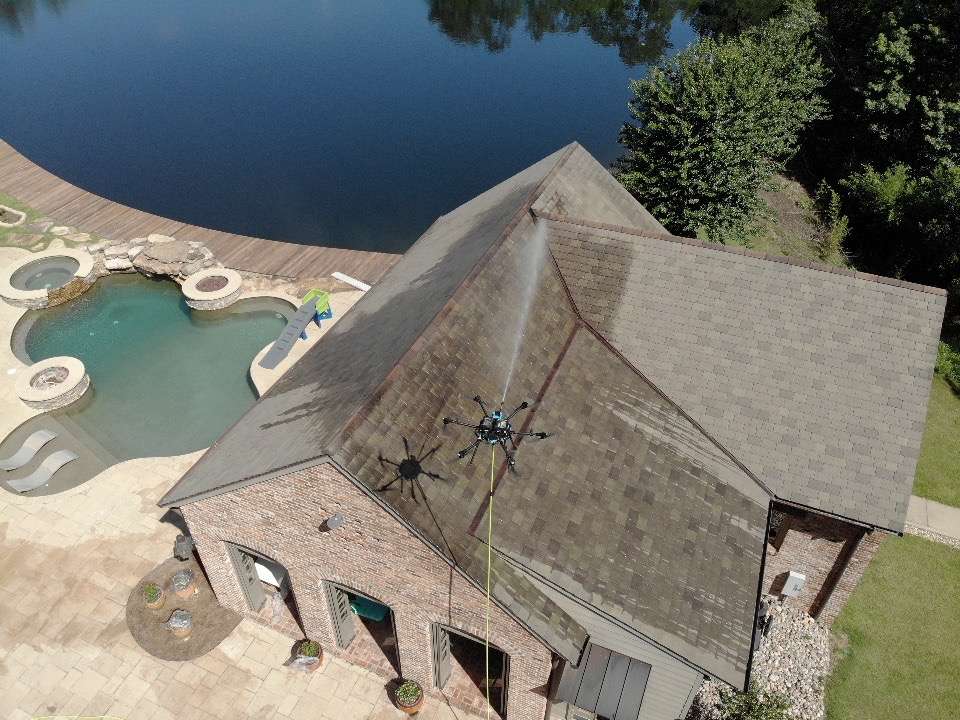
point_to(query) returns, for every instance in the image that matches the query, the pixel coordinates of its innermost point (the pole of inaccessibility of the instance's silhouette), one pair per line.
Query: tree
(895, 90)
(906, 225)
(731, 17)
(716, 121)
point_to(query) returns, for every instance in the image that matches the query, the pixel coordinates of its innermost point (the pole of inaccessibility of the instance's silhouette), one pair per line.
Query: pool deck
(70, 205)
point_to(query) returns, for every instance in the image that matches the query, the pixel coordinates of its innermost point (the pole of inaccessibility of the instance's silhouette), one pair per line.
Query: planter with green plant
(409, 697)
(153, 596)
(309, 655)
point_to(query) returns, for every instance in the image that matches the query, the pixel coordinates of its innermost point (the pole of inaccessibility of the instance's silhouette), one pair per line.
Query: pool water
(45, 274)
(166, 379)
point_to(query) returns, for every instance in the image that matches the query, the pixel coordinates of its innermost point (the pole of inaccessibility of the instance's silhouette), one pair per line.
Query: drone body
(495, 428)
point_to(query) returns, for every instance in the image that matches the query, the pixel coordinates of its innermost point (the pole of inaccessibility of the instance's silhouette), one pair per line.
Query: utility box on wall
(794, 584)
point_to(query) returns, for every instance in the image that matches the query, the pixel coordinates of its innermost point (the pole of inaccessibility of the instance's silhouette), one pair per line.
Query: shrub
(309, 648)
(408, 693)
(948, 364)
(906, 225)
(752, 705)
(715, 122)
(829, 245)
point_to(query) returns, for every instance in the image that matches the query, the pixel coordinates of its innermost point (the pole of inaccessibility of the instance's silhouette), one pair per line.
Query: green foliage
(309, 648)
(151, 592)
(731, 17)
(948, 364)
(716, 121)
(904, 225)
(829, 244)
(409, 692)
(938, 469)
(896, 86)
(903, 657)
(752, 705)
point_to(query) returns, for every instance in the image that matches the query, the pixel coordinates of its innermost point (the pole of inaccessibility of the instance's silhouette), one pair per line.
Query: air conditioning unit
(794, 584)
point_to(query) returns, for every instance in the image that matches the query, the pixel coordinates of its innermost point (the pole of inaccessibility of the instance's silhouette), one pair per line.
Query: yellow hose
(486, 643)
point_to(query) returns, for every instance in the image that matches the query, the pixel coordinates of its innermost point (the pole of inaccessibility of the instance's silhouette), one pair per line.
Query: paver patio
(68, 563)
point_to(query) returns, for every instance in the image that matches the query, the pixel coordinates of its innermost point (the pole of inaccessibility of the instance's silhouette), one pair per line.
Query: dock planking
(45, 192)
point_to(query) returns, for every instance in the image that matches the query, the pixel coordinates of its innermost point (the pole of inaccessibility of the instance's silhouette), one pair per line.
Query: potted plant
(409, 697)
(184, 584)
(153, 596)
(181, 623)
(309, 655)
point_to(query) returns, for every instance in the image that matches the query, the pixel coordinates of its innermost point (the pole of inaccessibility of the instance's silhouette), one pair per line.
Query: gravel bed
(793, 660)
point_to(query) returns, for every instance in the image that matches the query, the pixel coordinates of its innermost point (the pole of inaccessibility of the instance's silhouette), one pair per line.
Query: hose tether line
(486, 644)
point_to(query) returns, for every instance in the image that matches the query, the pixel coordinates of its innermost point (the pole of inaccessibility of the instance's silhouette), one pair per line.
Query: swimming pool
(166, 379)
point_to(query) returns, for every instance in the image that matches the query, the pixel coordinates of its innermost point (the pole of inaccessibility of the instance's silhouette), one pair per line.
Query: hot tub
(39, 280)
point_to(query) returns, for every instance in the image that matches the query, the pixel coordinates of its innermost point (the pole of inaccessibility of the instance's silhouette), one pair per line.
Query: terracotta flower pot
(181, 623)
(410, 708)
(184, 584)
(154, 604)
(158, 603)
(305, 661)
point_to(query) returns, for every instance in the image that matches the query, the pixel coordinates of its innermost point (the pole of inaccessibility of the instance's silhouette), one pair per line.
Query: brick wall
(280, 518)
(832, 554)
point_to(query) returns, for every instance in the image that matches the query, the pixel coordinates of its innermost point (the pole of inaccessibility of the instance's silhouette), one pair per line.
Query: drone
(495, 428)
(409, 470)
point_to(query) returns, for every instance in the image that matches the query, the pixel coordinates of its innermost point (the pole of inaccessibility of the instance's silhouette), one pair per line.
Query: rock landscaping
(792, 660)
(153, 255)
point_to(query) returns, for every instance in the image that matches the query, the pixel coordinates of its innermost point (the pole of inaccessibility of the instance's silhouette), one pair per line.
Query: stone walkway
(933, 520)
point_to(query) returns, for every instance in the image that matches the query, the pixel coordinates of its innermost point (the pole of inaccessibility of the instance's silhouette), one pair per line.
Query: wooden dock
(70, 205)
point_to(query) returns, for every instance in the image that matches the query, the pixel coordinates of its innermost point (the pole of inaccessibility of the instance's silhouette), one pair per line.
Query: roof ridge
(524, 208)
(736, 250)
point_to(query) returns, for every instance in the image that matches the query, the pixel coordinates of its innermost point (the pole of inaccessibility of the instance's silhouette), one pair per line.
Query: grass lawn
(938, 470)
(903, 626)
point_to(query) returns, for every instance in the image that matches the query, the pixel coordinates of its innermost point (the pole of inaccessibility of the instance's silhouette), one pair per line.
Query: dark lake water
(351, 123)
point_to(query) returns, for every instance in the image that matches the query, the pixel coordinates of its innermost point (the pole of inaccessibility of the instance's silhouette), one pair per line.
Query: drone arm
(473, 446)
(537, 435)
(454, 421)
(522, 406)
(479, 402)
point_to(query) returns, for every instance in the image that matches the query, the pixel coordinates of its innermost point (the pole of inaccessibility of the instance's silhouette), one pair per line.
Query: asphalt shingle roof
(682, 384)
(816, 379)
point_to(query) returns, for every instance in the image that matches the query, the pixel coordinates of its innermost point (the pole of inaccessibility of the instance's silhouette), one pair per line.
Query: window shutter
(343, 623)
(441, 656)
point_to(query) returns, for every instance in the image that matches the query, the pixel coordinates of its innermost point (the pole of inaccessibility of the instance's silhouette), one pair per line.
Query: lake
(350, 123)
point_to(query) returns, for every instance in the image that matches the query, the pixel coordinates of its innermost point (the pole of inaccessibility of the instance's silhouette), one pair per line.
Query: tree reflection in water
(14, 14)
(639, 28)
